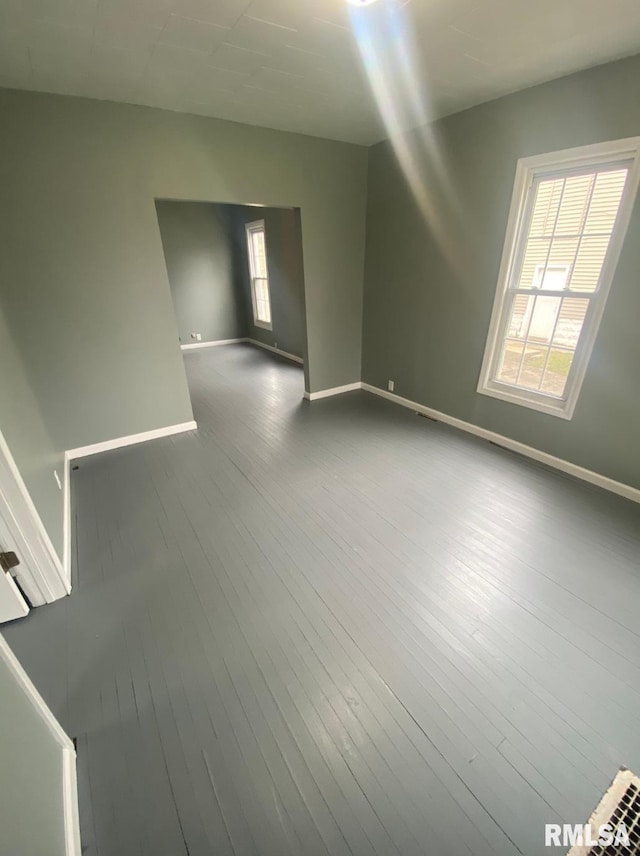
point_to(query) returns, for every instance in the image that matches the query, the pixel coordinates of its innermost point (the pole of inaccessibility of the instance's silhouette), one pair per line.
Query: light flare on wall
(385, 37)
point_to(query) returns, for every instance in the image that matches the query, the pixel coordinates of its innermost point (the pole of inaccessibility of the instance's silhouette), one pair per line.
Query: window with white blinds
(257, 251)
(569, 214)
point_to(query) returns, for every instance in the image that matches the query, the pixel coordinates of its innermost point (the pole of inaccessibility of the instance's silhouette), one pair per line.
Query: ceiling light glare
(361, 2)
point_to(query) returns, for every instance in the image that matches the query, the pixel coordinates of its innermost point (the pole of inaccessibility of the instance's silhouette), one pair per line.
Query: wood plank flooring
(337, 628)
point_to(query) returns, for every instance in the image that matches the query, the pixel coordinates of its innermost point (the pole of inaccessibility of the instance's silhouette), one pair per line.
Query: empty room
(319, 436)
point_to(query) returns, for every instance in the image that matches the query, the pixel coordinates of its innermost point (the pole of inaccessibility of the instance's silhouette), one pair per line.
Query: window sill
(561, 408)
(263, 325)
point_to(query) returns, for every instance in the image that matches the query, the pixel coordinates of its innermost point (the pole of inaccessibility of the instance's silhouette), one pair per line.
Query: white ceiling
(294, 64)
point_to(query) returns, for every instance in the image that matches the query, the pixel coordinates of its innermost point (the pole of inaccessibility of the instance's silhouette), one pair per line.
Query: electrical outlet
(275, 344)
(390, 385)
(57, 478)
(198, 337)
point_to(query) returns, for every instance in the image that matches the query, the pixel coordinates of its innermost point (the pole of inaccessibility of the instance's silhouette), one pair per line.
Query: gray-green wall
(28, 438)
(205, 250)
(425, 323)
(81, 261)
(286, 275)
(31, 808)
(88, 340)
(199, 258)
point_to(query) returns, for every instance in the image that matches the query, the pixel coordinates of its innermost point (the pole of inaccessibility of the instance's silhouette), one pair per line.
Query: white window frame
(526, 172)
(258, 226)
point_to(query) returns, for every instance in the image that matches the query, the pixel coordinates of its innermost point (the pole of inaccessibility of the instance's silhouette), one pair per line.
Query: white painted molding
(94, 449)
(245, 339)
(285, 354)
(70, 802)
(528, 170)
(611, 485)
(213, 344)
(336, 390)
(42, 575)
(14, 666)
(69, 783)
(130, 440)
(66, 521)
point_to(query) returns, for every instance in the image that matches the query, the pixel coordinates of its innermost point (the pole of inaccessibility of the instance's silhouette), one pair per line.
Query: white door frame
(69, 781)
(40, 572)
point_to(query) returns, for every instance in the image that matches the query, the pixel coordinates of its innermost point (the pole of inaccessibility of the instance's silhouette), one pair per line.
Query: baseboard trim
(130, 440)
(619, 488)
(69, 775)
(94, 449)
(241, 341)
(335, 390)
(213, 344)
(285, 354)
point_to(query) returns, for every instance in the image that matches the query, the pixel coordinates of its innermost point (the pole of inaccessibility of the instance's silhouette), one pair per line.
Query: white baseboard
(279, 351)
(605, 482)
(335, 390)
(130, 440)
(71, 817)
(285, 354)
(213, 344)
(94, 449)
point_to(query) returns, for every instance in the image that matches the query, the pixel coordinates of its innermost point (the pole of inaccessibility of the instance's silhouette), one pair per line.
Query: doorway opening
(236, 276)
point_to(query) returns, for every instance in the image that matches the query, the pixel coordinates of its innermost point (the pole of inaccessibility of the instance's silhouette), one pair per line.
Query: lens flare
(385, 37)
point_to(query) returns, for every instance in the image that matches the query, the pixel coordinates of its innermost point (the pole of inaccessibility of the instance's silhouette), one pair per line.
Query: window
(259, 277)
(569, 214)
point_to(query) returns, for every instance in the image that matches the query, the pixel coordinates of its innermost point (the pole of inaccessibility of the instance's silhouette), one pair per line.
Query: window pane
(263, 311)
(510, 361)
(526, 360)
(589, 261)
(261, 297)
(571, 225)
(570, 320)
(553, 277)
(551, 302)
(532, 366)
(575, 202)
(519, 318)
(535, 258)
(604, 206)
(556, 371)
(561, 257)
(545, 209)
(259, 255)
(533, 317)
(543, 312)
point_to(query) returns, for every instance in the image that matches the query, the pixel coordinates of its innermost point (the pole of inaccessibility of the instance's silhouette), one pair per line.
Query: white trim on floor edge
(130, 440)
(605, 482)
(106, 446)
(69, 775)
(285, 354)
(335, 390)
(213, 344)
(42, 575)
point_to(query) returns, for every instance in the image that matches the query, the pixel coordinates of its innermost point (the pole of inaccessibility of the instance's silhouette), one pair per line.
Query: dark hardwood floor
(337, 628)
